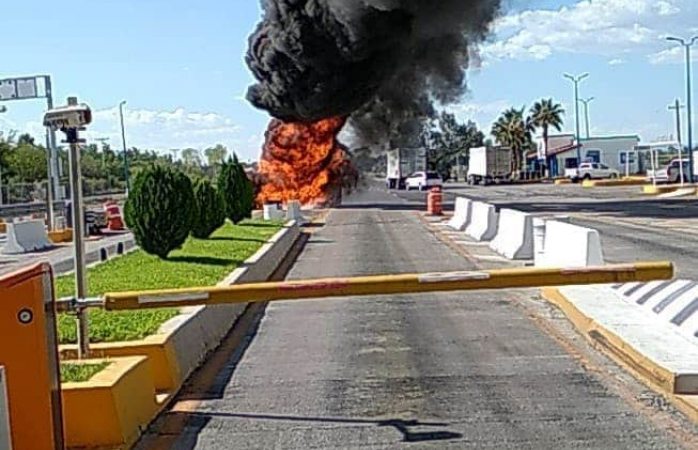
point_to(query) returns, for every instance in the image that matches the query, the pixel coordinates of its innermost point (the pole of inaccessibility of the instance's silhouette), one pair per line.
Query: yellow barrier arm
(389, 284)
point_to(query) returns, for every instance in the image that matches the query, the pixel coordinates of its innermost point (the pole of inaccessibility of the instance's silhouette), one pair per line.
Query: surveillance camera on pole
(71, 119)
(68, 117)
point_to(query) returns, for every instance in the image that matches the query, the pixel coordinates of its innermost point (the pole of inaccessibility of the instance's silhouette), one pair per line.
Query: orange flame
(302, 161)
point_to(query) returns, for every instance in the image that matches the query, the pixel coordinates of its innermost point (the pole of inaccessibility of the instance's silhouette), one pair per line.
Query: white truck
(591, 171)
(401, 163)
(489, 164)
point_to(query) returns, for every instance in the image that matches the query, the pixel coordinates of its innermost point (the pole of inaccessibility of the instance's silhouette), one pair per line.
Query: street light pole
(123, 141)
(586, 102)
(576, 80)
(687, 44)
(3, 109)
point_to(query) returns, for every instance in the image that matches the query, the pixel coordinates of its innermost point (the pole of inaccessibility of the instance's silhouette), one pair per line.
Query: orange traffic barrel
(435, 201)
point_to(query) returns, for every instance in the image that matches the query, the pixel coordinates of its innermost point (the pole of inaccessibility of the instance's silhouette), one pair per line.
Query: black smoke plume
(382, 62)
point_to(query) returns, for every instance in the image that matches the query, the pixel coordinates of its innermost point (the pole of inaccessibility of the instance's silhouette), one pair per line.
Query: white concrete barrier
(461, 214)
(27, 236)
(272, 212)
(567, 245)
(514, 237)
(293, 212)
(483, 222)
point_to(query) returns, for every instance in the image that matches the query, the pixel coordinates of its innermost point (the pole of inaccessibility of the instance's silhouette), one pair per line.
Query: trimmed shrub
(159, 209)
(236, 189)
(209, 211)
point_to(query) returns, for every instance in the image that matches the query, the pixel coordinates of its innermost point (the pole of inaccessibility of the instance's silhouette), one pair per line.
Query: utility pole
(586, 102)
(677, 106)
(3, 109)
(576, 80)
(123, 142)
(687, 44)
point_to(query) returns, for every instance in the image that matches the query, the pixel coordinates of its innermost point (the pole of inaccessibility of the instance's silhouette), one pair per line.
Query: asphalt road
(430, 371)
(633, 227)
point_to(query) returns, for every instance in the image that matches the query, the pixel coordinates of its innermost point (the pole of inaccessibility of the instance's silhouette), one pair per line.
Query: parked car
(423, 181)
(591, 171)
(670, 173)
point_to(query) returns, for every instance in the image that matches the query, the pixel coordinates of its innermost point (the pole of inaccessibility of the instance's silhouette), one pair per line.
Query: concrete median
(514, 237)
(461, 214)
(483, 222)
(567, 245)
(27, 236)
(672, 302)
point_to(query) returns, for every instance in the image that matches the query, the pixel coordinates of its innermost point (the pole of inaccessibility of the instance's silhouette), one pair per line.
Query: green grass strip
(197, 263)
(79, 373)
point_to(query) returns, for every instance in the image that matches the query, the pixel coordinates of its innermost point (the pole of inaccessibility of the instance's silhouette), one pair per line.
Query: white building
(617, 152)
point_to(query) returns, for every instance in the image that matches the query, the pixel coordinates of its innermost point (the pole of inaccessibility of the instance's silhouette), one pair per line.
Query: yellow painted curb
(651, 189)
(645, 370)
(59, 236)
(158, 348)
(111, 409)
(563, 181)
(614, 182)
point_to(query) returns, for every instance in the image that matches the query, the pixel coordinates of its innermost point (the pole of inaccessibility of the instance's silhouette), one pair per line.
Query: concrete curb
(184, 342)
(612, 183)
(111, 409)
(652, 374)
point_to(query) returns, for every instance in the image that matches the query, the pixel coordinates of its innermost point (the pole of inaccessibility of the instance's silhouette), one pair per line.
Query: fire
(304, 162)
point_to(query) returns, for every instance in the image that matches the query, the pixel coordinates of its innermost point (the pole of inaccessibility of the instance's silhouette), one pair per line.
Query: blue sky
(179, 64)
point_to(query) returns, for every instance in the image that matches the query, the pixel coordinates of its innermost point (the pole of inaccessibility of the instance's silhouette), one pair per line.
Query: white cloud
(163, 130)
(603, 27)
(616, 62)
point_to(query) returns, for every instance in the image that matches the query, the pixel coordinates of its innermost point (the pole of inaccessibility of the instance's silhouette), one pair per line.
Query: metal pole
(689, 110)
(78, 237)
(50, 217)
(576, 117)
(576, 80)
(689, 104)
(2, 110)
(123, 141)
(53, 191)
(586, 102)
(678, 107)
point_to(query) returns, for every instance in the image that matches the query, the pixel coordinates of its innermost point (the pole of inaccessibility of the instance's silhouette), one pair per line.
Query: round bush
(159, 209)
(209, 212)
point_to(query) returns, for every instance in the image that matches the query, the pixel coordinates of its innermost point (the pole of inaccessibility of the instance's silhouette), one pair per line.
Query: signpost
(28, 88)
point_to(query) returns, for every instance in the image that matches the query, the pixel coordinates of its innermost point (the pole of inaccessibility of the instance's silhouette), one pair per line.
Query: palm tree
(546, 114)
(514, 130)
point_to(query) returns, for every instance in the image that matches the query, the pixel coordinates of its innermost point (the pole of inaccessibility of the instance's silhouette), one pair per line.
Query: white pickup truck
(591, 171)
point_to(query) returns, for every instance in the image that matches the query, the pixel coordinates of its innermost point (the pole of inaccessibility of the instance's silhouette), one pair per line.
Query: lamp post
(687, 44)
(585, 102)
(123, 141)
(576, 80)
(3, 109)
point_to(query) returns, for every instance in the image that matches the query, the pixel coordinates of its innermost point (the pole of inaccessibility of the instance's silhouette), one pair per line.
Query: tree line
(23, 162)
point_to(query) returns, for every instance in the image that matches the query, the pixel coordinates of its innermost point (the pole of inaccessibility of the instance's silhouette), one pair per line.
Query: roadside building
(617, 152)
